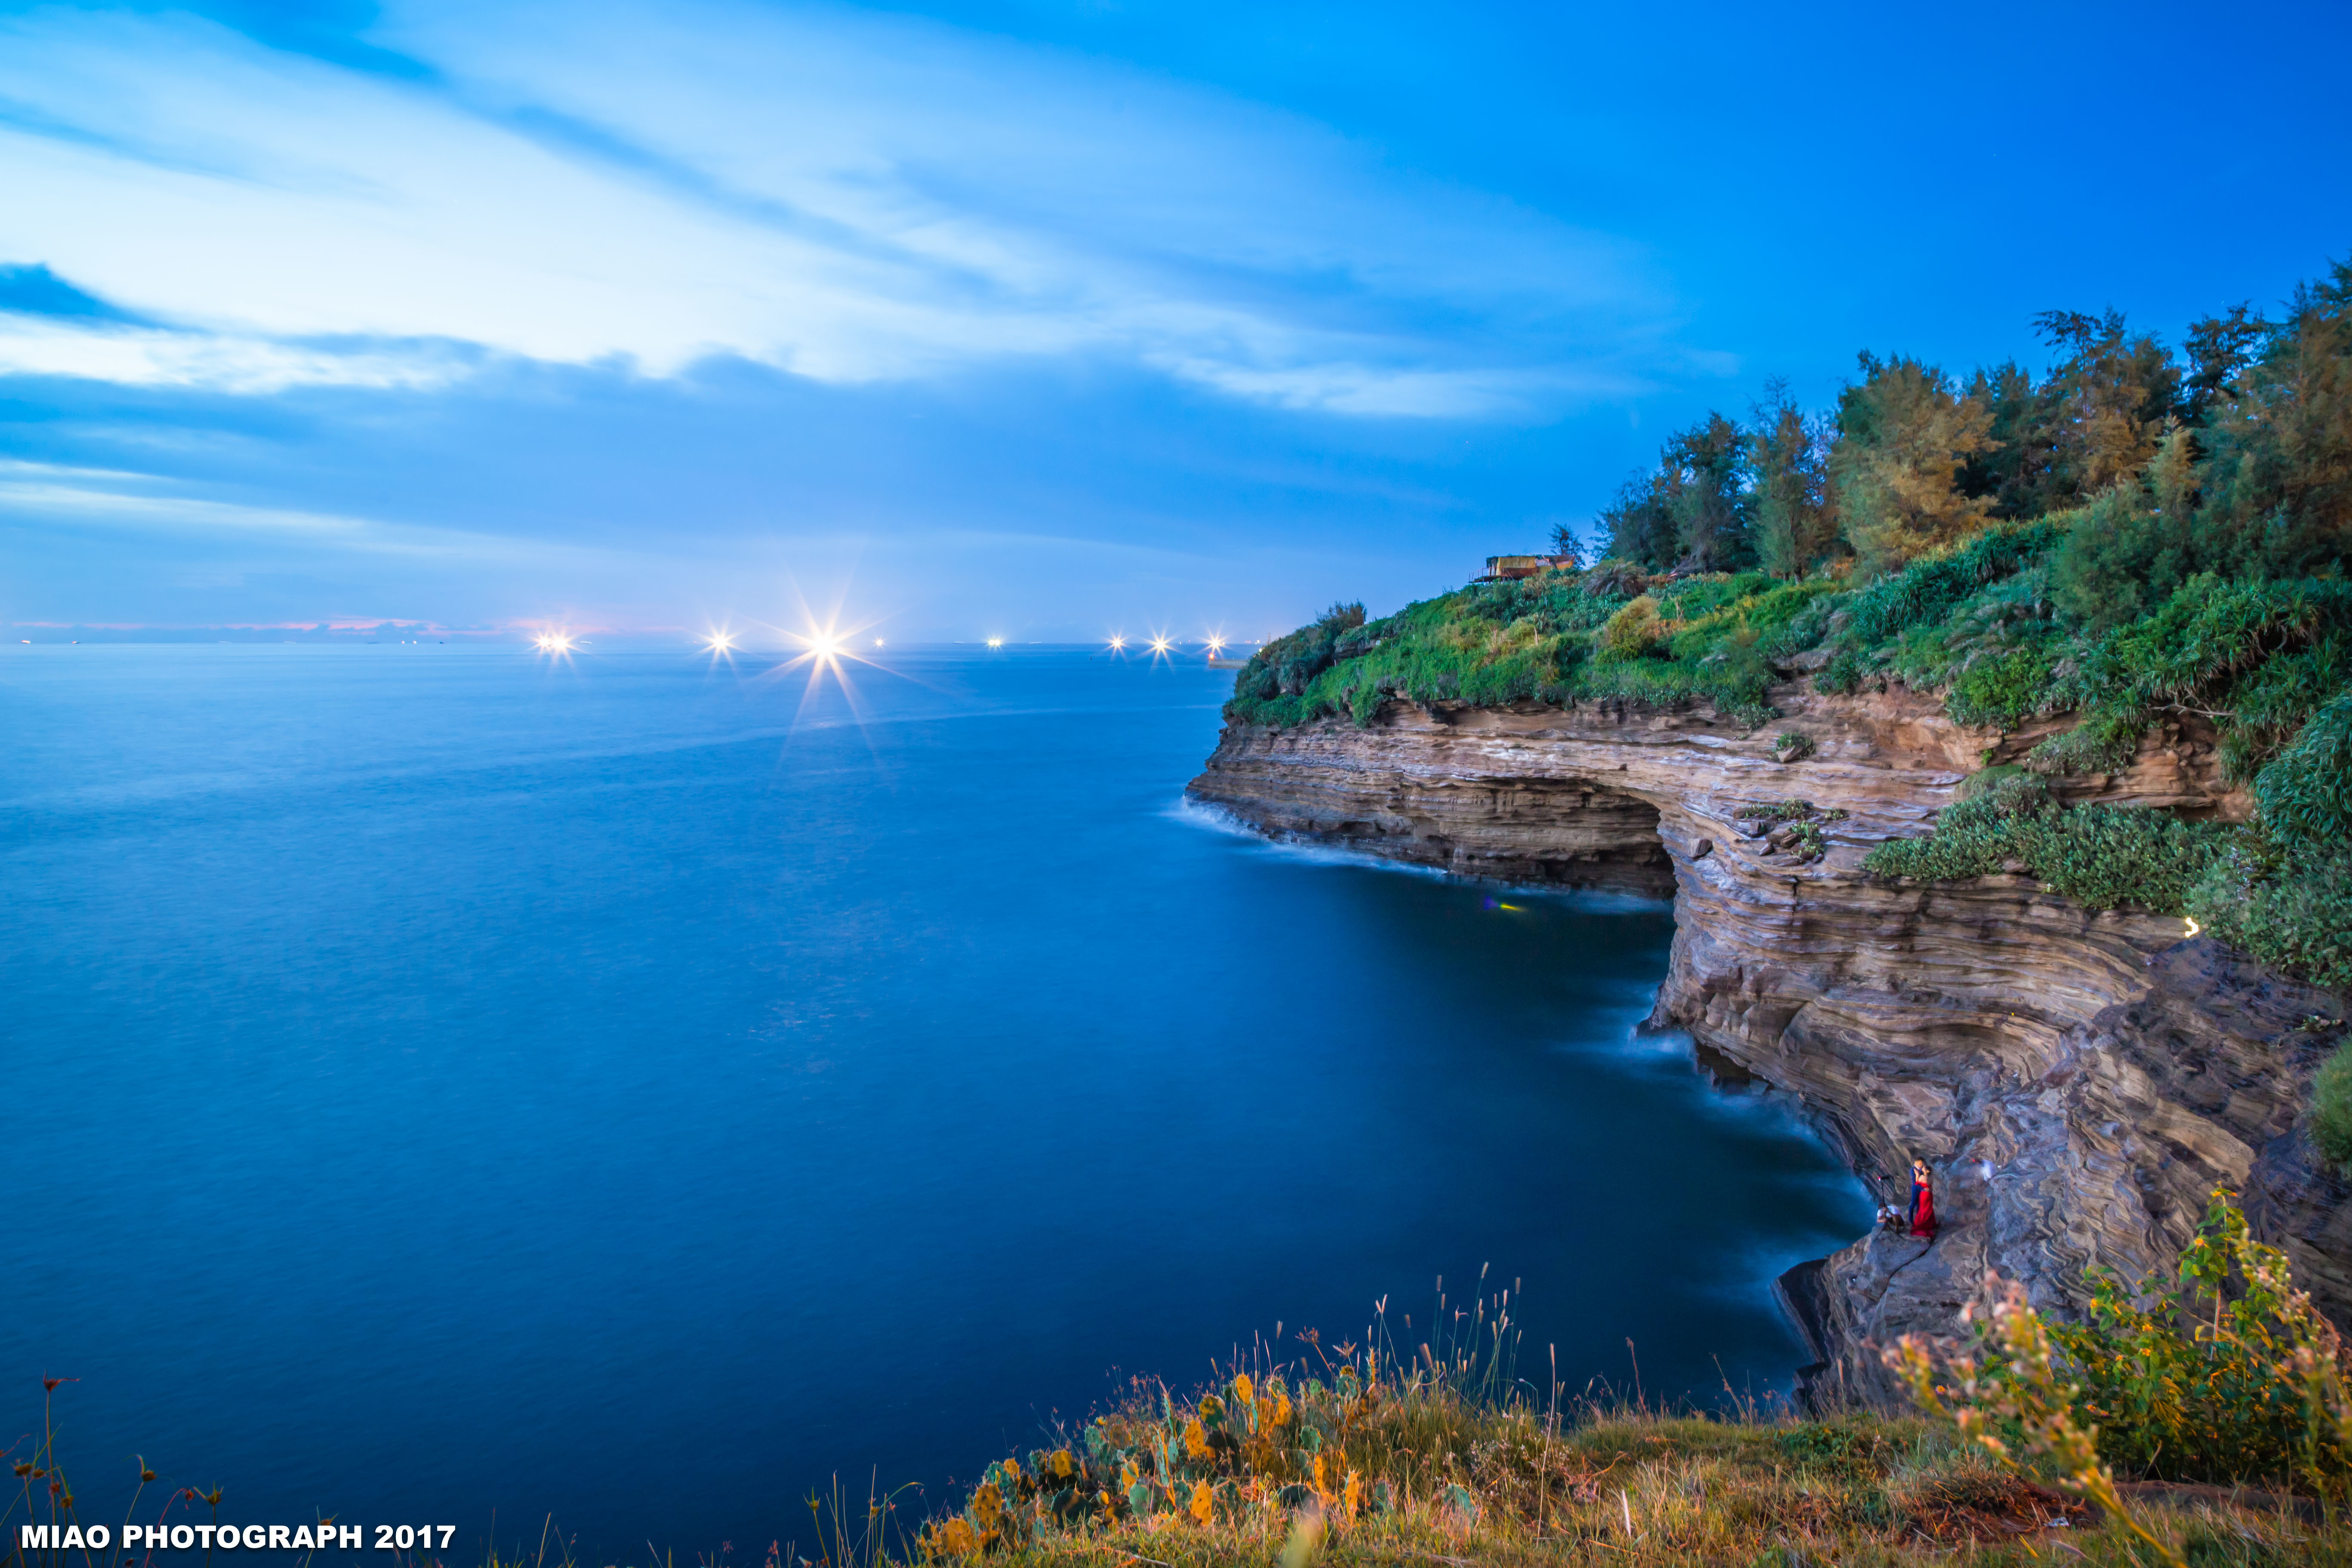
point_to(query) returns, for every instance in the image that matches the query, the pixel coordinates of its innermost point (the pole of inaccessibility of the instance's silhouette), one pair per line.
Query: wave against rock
(2078, 1081)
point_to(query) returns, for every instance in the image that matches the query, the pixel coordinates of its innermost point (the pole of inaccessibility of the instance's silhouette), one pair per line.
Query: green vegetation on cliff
(2137, 537)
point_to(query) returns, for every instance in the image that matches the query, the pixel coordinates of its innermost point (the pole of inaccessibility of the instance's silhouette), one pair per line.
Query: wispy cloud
(847, 196)
(58, 495)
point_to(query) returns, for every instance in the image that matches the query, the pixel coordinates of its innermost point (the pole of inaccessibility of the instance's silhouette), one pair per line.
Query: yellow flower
(1204, 1500)
(1196, 1438)
(956, 1538)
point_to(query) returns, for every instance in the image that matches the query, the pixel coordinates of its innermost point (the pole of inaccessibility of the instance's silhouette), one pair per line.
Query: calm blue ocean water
(443, 1084)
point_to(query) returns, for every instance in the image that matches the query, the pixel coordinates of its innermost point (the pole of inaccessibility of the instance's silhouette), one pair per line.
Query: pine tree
(1691, 511)
(2113, 392)
(1903, 435)
(1795, 509)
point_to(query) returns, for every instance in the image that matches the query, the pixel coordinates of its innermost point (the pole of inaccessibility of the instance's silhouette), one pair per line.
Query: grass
(2103, 857)
(1367, 1455)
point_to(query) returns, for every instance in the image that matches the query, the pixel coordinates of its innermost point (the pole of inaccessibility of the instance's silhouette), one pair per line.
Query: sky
(1041, 321)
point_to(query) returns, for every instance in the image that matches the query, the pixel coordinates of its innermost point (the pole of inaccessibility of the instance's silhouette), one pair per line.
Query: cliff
(2078, 1081)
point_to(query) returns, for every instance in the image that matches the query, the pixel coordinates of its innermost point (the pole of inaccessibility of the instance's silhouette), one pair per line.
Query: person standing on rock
(1923, 1201)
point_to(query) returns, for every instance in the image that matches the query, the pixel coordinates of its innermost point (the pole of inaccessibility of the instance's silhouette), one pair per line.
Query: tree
(2220, 349)
(1690, 512)
(2278, 484)
(1708, 465)
(1795, 508)
(1641, 522)
(2113, 392)
(1567, 548)
(1903, 435)
(2017, 471)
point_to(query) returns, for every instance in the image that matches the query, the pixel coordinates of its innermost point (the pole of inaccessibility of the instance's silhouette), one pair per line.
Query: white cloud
(143, 356)
(124, 503)
(847, 196)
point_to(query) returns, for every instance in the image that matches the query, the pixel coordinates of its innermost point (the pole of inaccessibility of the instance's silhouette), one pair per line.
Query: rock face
(2078, 1082)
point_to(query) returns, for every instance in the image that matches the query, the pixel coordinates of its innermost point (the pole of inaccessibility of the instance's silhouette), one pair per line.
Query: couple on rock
(1921, 1218)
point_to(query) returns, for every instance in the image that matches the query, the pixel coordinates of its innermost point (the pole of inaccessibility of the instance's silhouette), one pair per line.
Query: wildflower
(956, 1538)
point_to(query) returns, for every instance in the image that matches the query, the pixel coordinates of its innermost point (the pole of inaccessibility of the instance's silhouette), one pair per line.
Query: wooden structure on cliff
(1504, 568)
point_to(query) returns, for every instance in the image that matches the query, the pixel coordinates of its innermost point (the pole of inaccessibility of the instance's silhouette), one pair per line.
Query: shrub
(1632, 632)
(2306, 792)
(2331, 1110)
(2291, 910)
(1999, 693)
(2102, 743)
(1842, 676)
(2119, 559)
(2233, 1378)
(2103, 857)
(1927, 591)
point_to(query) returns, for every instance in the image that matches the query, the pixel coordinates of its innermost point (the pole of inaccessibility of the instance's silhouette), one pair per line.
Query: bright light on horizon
(554, 642)
(997, 641)
(1160, 645)
(1119, 643)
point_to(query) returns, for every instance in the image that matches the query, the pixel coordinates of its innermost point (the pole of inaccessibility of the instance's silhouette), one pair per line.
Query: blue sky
(1033, 320)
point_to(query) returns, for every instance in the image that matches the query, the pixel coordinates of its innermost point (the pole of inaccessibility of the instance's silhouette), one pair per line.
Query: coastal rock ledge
(2079, 1081)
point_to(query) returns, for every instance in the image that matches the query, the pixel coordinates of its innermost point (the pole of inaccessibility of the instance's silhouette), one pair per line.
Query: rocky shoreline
(2079, 1080)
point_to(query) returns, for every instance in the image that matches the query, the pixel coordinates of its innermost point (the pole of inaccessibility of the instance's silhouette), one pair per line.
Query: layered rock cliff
(2078, 1081)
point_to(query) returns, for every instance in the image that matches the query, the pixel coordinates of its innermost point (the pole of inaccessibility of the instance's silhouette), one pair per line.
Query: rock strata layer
(2078, 1081)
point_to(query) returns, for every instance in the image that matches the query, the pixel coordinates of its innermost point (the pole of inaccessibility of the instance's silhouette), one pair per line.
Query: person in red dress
(1923, 1201)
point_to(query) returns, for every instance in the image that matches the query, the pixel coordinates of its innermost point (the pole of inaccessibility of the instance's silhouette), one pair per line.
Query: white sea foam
(1584, 900)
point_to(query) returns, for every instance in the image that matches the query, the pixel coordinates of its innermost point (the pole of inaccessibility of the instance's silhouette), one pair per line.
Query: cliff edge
(2079, 1081)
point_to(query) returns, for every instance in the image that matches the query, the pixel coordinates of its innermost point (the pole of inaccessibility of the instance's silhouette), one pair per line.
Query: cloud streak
(848, 197)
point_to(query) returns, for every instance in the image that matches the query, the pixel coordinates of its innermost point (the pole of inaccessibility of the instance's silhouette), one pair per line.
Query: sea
(601, 1101)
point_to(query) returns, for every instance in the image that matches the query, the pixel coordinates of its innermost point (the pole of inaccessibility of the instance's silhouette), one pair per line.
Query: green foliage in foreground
(1359, 1454)
(2226, 1375)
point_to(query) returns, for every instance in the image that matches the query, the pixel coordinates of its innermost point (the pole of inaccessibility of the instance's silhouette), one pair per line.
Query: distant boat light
(997, 641)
